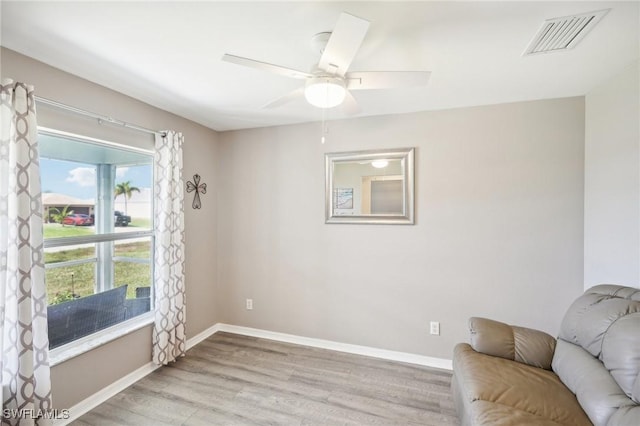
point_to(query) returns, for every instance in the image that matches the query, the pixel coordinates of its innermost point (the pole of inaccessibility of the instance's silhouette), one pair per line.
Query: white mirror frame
(406, 155)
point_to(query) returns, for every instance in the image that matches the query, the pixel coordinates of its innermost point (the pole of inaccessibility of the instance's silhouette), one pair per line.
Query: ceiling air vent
(563, 33)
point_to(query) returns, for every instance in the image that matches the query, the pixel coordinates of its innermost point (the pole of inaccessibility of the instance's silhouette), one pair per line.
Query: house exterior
(139, 205)
(52, 200)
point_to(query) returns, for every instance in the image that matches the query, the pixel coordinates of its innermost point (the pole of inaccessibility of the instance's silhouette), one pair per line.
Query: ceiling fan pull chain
(324, 129)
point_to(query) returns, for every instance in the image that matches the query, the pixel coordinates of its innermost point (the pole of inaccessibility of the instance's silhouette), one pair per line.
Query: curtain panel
(169, 341)
(24, 344)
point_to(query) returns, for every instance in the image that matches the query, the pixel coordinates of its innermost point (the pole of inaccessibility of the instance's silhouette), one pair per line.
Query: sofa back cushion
(621, 354)
(604, 325)
(605, 322)
(597, 392)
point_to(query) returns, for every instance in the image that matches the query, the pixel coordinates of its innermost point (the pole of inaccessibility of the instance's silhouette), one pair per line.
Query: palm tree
(57, 215)
(125, 188)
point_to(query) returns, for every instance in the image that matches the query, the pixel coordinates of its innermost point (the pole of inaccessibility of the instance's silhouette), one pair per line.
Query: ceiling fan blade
(367, 80)
(264, 66)
(343, 44)
(291, 96)
(350, 105)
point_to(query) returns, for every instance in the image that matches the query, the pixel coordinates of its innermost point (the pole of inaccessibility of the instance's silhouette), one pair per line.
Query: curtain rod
(101, 118)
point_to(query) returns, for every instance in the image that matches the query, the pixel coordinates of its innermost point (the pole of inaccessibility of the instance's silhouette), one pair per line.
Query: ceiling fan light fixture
(325, 92)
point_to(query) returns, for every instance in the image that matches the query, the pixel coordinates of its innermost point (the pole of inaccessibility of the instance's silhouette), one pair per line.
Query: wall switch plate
(434, 328)
(249, 304)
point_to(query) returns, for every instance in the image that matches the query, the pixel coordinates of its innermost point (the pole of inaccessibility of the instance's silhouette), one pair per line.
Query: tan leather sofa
(590, 375)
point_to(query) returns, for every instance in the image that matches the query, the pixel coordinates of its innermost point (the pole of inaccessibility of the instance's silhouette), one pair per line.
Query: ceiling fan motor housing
(319, 42)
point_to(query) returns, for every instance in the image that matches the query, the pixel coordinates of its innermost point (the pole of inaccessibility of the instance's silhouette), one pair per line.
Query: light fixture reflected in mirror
(380, 164)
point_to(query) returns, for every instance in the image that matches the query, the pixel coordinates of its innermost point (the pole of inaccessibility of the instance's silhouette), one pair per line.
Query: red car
(78, 220)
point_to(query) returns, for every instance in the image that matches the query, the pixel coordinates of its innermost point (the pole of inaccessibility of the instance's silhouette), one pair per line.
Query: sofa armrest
(525, 345)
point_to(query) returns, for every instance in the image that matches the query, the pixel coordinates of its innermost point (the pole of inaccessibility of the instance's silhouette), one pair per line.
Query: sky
(79, 180)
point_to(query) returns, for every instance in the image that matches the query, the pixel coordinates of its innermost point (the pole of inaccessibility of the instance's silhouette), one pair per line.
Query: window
(98, 231)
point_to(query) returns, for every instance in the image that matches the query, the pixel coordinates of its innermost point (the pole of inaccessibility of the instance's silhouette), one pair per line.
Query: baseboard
(426, 361)
(202, 335)
(104, 394)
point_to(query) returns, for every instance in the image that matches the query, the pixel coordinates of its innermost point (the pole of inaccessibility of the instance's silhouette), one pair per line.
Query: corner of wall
(612, 181)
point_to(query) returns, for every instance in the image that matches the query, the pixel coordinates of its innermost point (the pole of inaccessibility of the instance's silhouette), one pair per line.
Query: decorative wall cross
(199, 188)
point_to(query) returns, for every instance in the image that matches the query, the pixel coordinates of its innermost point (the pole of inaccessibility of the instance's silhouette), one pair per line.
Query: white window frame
(79, 346)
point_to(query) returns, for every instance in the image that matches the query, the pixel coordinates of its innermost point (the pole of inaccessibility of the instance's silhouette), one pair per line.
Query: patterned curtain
(24, 345)
(169, 340)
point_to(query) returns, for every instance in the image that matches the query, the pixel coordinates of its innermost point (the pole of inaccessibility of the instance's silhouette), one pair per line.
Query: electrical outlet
(434, 328)
(249, 304)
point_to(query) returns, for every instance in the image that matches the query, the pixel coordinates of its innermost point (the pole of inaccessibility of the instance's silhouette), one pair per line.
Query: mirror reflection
(370, 187)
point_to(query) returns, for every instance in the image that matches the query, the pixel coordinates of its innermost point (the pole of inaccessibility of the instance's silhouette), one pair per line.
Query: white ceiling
(168, 53)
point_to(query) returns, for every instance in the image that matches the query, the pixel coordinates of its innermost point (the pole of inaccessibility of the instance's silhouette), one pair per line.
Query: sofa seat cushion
(497, 391)
(491, 413)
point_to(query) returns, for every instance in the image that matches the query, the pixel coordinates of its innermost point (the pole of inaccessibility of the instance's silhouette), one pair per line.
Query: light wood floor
(237, 380)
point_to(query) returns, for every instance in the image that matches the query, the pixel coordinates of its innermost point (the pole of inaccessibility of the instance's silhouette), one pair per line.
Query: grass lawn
(80, 279)
(56, 230)
(141, 222)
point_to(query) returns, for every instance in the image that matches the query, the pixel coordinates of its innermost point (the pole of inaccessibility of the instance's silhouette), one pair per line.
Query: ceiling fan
(329, 83)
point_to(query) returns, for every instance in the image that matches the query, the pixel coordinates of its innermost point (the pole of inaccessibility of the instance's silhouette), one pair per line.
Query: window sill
(85, 344)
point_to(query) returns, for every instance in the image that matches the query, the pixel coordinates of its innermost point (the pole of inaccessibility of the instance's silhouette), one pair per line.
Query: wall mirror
(369, 186)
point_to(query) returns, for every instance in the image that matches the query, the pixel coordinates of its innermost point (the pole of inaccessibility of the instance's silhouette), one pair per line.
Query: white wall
(612, 181)
(498, 233)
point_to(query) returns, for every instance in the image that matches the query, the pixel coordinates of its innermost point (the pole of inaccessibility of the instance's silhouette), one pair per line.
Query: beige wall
(612, 181)
(498, 233)
(82, 376)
